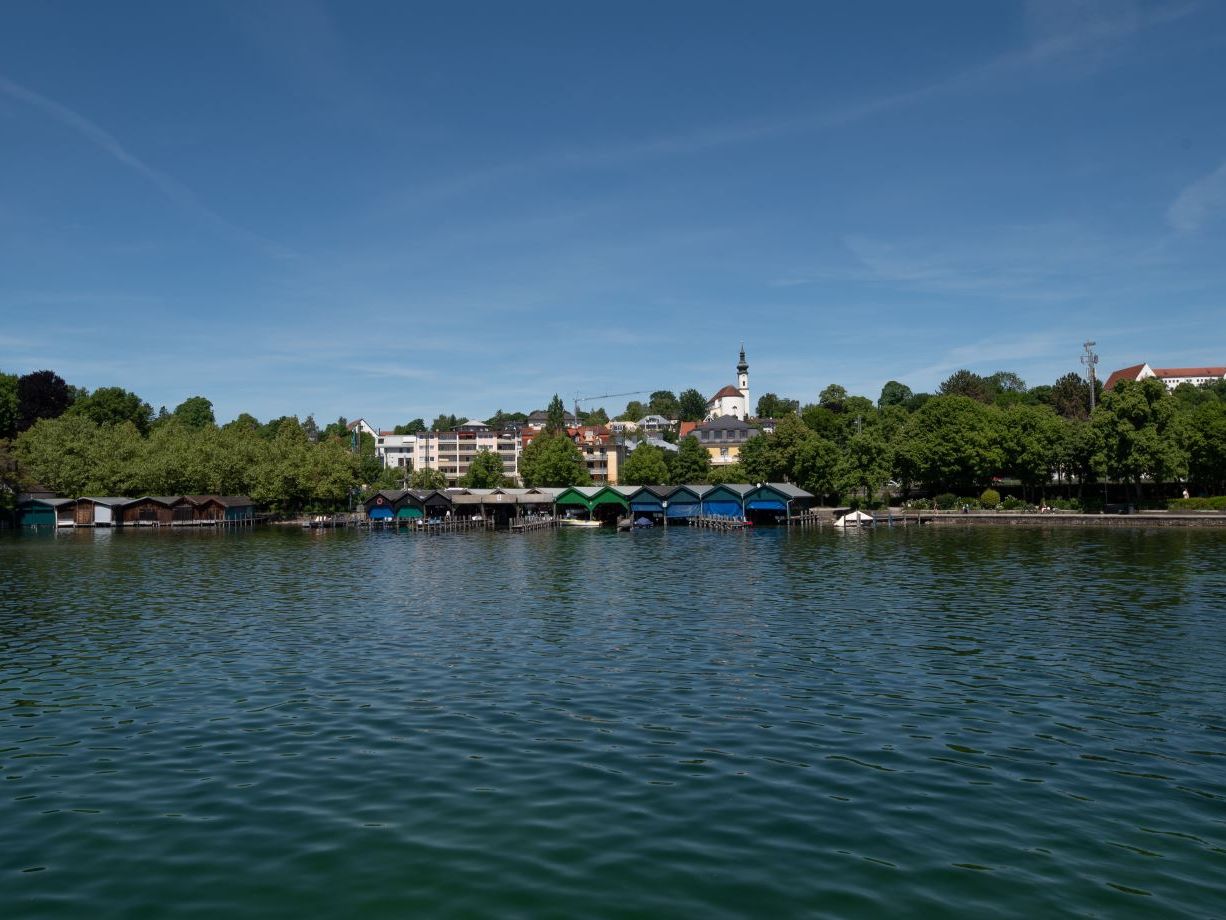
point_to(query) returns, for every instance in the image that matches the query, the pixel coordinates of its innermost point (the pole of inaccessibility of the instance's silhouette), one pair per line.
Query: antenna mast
(1090, 360)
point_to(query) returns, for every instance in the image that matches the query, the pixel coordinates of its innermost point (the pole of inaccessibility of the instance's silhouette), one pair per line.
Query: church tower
(742, 379)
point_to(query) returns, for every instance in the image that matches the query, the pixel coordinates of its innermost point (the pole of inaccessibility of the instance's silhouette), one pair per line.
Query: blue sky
(394, 210)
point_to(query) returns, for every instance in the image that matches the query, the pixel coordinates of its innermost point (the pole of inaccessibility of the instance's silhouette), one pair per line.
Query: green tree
(338, 429)
(832, 398)
(894, 394)
(1202, 436)
(1070, 397)
(1006, 382)
(664, 403)
(195, 412)
(821, 421)
(59, 453)
(485, 471)
(645, 466)
(416, 426)
(967, 384)
(8, 405)
(691, 464)
(1134, 423)
(951, 443)
(635, 410)
(865, 464)
(40, 395)
(447, 422)
(246, 422)
(555, 416)
(552, 460)
(1035, 443)
(596, 417)
(310, 428)
(727, 472)
(428, 479)
(772, 406)
(691, 406)
(113, 406)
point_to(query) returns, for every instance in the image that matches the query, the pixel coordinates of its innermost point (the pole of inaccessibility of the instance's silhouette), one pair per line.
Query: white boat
(578, 522)
(855, 519)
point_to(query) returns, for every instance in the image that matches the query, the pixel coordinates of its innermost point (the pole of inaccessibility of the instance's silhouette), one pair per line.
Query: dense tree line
(111, 442)
(976, 429)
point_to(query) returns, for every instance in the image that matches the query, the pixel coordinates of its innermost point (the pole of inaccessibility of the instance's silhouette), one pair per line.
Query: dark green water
(895, 723)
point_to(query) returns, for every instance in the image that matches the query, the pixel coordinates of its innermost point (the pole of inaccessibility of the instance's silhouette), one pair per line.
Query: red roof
(1125, 373)
(726, 391)
(686, 428)
(1189, 371)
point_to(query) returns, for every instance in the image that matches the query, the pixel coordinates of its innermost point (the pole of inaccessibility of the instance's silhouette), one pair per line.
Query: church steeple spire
(742, 379)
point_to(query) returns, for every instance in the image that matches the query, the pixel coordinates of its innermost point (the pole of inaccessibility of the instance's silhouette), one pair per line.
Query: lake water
(913, 722)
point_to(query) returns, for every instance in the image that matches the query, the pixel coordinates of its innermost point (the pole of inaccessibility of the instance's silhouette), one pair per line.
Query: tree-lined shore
(958, 441)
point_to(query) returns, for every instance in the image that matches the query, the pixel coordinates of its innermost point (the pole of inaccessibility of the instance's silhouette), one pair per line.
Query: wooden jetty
(718, 523)
(525, 525)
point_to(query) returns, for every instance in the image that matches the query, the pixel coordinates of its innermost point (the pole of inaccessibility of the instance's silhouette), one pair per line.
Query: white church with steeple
(732, 400)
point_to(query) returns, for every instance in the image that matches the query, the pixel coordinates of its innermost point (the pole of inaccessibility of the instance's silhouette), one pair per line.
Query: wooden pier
(524, 525)
(718, 523)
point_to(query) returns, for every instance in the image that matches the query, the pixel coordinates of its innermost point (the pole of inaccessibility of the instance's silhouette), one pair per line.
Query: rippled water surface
(681, 723)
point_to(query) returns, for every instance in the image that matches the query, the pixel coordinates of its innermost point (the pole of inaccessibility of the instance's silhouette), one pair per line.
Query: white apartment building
(453, 451)
(396, 450)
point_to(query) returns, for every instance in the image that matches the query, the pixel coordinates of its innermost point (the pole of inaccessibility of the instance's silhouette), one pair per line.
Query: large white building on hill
(1171, 376)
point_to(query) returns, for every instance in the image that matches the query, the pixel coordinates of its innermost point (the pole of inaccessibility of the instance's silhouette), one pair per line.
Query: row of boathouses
(148, 510)
(763, 503)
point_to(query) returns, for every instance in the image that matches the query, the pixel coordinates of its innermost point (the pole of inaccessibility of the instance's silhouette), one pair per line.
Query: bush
(1064, 504)
(971, 504)
(990, 498)
(918, 504)
(1215, 503)
(947, 501)
(1012, 503)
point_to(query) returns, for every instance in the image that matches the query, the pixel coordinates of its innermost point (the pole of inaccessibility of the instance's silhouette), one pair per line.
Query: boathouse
(382, 505)
(94, 511)
(575, 500)
(650, 502)
(775, 501)
(45, 512)
(685, 501)
(157, 509)
(238, 507)
(726, 500)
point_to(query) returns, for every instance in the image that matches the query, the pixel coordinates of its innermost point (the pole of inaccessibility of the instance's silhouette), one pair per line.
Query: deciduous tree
(644, 466)
(195, 412)
(691, 406)
(42, 394)
(113, 406)
(552, 460)
(691, 464)
(485, 471)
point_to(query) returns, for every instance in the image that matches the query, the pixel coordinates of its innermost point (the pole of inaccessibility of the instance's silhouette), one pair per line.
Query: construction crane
(583, 399)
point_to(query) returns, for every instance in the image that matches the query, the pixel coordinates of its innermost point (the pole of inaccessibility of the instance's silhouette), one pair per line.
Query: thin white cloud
(1084, 40)
(1199, 203)
(179, 194)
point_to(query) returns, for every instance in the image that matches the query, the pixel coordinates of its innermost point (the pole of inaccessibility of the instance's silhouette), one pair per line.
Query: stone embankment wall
(1144, 519)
